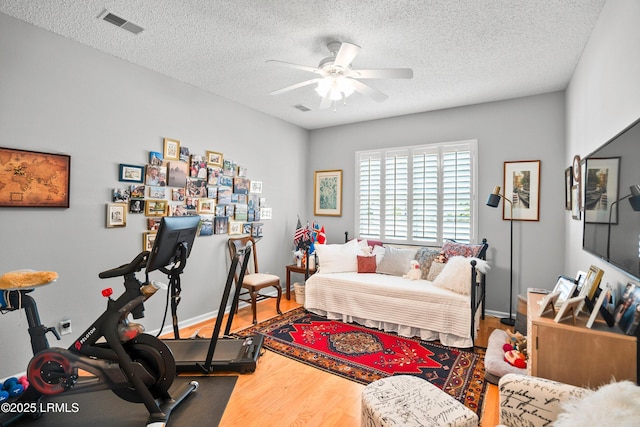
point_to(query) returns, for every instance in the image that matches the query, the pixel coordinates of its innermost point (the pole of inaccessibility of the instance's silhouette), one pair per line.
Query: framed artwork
(205, 206)
(601, 189)
(575, 202)
(235, 227)
(569, 309)
(155, 208)
(137, 191)
(117, 214)
(157, 192)
(136, 206)
(156, 176)
(568, 188)
(206, 225)
(153, 224)
(241, 185)
(171, 149)
(120, 195)
(565, 285)
(548, 303)
(155, 158)
(592, 281)
(131, 173)
(265, 213)
(214, 159)
(184, 153)
(256, 187)
(148, 237)
(33, 179)
(327, 193)
(522, 187)
(177, 173)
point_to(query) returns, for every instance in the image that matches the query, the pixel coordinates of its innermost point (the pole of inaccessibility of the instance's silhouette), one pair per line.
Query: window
(419, 195)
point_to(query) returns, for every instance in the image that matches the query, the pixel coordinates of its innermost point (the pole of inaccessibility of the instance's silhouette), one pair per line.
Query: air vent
(120, 22)
(302, 108)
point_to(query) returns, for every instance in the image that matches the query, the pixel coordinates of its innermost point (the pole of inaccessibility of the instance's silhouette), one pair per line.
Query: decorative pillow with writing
(366, 264)
(451, 249)
(425, 257)
(396, 262)
(338, 258)
(456, 274)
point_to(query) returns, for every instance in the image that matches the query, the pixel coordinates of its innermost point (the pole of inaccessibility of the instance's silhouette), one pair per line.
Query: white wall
(530, 128)
(59, 96)
(603, 98)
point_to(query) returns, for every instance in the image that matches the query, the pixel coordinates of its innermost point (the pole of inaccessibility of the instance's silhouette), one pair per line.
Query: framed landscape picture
(522, 188)
(601, 189)
(131, 173)
(327, 194)
(31, 179)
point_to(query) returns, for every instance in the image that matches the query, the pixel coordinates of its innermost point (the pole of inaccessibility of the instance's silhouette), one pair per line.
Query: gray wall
(603, 98)
(530, 128)
(60, 96)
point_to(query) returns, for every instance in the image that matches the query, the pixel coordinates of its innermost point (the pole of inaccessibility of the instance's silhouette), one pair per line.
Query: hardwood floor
(283, 392)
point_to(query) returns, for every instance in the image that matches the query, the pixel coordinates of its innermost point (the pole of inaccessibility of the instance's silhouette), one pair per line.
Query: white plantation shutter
(427, 193)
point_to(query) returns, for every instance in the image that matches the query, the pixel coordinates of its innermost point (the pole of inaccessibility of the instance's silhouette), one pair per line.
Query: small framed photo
(178, 172)
(137, 191)
(241, 185)
(131, 173)
(120, 195)
(568, 188)
(117, 214)
(155, 208)
(171, 149)
(205, 206)
(155, 158)
(256, 187)
(548, 303)
(592, 281)
(235, 227)
(184, 154)
(327, 193)
(148, 237)
(265, 213)
(569, 309)
(565, 285)
(214, 159)
(136, 206)
(157, 192)
(156, 176)
(153, 224)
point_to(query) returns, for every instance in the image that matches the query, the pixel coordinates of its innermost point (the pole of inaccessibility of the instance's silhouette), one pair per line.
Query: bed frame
(478, 288)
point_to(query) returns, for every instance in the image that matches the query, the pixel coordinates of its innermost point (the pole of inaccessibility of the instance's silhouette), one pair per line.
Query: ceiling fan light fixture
(336, 87)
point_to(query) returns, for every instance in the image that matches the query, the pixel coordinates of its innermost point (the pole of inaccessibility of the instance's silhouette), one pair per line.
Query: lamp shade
(634, 200)
(494, 198)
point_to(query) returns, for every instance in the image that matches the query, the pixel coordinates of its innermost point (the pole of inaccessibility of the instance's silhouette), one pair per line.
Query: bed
(412, 308)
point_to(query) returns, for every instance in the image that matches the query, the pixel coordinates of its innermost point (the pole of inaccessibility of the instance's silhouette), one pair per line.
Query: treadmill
(217, 353)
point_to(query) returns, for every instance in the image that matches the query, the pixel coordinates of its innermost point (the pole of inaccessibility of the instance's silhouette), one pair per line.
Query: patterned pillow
(435, 269)
(451, 249)
(425, 257)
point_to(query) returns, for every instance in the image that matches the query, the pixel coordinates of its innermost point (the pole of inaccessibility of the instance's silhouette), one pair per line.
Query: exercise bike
(137, 367)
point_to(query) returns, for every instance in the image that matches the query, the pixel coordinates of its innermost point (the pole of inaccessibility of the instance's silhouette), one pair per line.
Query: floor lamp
(494, 202)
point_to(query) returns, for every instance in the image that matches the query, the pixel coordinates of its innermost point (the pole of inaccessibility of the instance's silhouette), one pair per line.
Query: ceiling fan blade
(326, 102)
(297, 66)
(295, 86)
(345, 55)
(383, 73)
(372, 93)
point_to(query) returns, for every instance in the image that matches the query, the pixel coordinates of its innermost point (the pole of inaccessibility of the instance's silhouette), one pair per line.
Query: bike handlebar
(138, 263)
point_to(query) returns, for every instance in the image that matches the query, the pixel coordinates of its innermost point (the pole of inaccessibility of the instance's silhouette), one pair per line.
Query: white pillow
(456, 274)
(378, 251)
(396, 262)
(338, 258)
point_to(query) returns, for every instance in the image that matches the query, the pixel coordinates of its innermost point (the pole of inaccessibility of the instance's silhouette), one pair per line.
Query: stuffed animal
(415, 273)
(515, 349)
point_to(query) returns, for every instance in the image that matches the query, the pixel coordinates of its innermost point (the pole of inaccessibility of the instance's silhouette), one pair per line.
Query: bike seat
(26, 279)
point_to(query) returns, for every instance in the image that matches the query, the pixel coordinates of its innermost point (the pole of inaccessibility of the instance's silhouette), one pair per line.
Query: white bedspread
(390, 303)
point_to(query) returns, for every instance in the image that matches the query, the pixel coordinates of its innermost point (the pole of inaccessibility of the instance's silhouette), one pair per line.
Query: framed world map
(34, 179)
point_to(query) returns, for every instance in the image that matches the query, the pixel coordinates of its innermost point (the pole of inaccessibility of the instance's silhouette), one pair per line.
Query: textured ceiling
(461, 51)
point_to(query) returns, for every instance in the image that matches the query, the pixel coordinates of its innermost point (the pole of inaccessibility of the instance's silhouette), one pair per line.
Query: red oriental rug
(364, 355)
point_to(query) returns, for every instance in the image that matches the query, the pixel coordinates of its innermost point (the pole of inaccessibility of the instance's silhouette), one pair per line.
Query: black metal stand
(510, 321)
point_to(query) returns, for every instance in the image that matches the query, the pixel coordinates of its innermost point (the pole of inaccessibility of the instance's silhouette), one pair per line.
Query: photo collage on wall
(176, 182)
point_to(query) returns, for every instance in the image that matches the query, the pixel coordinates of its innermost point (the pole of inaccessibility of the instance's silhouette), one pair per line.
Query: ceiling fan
(337, 79)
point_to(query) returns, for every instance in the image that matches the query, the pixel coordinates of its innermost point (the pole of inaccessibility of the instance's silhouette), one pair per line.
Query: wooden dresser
(586, 357)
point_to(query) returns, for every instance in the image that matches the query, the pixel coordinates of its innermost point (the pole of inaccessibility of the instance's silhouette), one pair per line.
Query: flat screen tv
(173, 231)
(611, 225)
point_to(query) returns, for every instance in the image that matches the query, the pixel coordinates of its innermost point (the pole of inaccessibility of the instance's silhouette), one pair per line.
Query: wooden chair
(253, 280)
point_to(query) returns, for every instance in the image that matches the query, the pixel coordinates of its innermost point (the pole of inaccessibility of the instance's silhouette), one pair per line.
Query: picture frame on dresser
(565, 286)
(569, 309)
